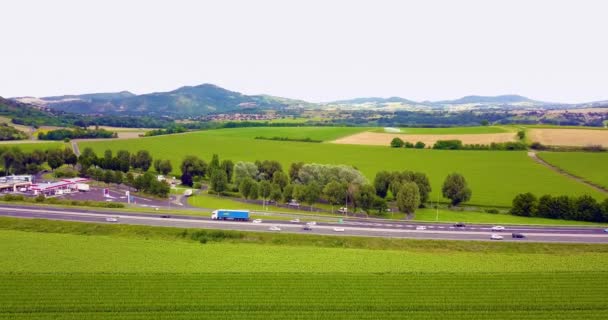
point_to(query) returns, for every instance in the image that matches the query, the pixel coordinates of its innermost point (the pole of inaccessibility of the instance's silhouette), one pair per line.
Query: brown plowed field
(384, 139)
(569, 137)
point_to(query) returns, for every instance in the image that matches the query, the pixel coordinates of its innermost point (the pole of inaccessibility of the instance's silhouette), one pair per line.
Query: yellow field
(384, 139)
(569, 137)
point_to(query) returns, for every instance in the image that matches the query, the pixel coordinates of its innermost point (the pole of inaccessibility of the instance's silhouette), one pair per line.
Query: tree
(54, 159)
(143, 160)
(364, 197)
(424, 186)
(165, 167)
(87, 158)
(245, 170)
(604, 206)
(228, 167)
(275, 193)
(118, 177)
(380, 204)
(408, 198)
(245, 187)
(265, 189)
(419, 145)
(484, 122)
(192, 166)
(524, 204)
(335, 193)
(394, 187)
(455, 188)
(215, 163)
(587, 209)
(268, 168)
(123, 158)
(218, 180)
(396, 142)
(288, 193)
(294, 170)
(312, 192)
(254, 191)
(69, 157)
(521, 134)
(281, 179)
(381, 183)
(130, 178)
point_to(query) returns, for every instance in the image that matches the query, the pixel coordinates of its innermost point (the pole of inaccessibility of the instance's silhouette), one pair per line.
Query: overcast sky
(313, 50)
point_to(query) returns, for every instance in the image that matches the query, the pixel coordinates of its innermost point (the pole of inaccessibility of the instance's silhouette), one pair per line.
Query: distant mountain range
(192, 101)
(185, 101)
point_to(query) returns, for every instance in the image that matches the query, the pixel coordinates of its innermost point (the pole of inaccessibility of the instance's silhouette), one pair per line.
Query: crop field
(304, 296)
(31, 145)
(384, 139)
(569, 137)
(138, 272)
(592, 167)
(448, 130)
(314, 133)
(494, 176)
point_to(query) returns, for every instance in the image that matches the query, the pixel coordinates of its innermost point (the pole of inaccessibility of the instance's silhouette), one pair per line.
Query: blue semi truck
(236, 215)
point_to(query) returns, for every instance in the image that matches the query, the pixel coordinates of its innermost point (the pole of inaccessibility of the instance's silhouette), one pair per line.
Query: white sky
(314, 50)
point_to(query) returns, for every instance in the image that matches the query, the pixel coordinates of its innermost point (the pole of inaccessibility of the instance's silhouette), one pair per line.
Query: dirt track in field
(384, 139)
(569, 137)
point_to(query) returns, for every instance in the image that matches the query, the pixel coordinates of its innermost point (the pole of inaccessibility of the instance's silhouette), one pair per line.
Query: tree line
(583, 208)
(77, 133)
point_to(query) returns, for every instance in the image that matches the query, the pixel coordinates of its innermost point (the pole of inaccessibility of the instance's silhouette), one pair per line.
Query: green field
(494, 176)
(93, 271)
(29, 147)
(592, 167)
(314, 133)
(450, 130)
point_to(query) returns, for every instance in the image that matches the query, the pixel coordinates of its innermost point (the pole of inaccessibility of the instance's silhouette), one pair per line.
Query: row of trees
(123, 161)
(77, 133)
(399, 143)
(583, 208)
(146, 182)
(19, 162)
(11, 133)
(500, 146)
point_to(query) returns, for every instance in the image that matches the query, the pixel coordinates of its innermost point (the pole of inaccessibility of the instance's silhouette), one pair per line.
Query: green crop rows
(304, 296)
(92, 271)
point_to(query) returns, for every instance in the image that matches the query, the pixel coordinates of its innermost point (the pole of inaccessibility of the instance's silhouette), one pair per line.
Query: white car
(111, 219)
(295, 220)
(343, 210)
(420, 228)
(312, 223)
(274, 228)
(338, 229)
(257, 221)
(496, 237)
(498, 228)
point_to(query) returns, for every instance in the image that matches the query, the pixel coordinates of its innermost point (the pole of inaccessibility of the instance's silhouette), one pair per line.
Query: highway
(352, 227)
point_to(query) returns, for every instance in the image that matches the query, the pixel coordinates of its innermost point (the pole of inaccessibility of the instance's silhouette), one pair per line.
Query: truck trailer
(236, 215)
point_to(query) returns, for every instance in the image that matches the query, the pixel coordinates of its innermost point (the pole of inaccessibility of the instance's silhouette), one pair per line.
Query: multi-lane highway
(352, 227)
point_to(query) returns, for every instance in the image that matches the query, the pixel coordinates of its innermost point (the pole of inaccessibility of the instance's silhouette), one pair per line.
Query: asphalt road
(355, 227)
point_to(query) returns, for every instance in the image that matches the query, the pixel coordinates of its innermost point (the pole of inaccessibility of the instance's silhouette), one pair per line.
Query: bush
(538, 146)
(419, 145)
(521, 134)
(396, 143)
(448, 145)
(493, 211)
(408, 144)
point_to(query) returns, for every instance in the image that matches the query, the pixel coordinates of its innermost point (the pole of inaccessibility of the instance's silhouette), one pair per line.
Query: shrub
(448, 145)
(419, 145)
(396, 142)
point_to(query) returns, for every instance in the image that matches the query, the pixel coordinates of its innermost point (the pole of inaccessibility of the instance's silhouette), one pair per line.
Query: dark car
(165, 216)
(517, 235)
(460, 225)
(307, 228)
